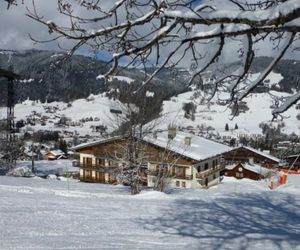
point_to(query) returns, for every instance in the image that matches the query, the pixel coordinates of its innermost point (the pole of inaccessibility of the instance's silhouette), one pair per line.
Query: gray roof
(200, 148)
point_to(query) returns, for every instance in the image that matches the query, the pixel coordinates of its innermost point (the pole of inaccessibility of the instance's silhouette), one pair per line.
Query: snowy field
(43, 214)
(45, 167)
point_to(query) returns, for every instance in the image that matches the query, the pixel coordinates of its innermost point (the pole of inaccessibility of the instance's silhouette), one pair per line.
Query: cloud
(15, 28)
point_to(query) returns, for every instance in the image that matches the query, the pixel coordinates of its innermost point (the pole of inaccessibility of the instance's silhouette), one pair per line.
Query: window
(183, 184)
(206, 166)
(157, 168)
(239, 175)
(87, 162)
(199, 168)
(87, 173)
(177, 183)
(109, 163)
(100, 162)
(179, 172)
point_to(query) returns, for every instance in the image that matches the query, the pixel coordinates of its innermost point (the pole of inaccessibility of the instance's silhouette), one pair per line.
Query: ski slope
(43, 214)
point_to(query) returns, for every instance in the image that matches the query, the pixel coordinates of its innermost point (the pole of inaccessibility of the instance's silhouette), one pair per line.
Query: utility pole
(10, 127)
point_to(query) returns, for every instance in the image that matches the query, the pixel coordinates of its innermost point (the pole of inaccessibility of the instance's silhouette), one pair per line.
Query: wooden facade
(98, 163)
(240, 172)
(246, 154)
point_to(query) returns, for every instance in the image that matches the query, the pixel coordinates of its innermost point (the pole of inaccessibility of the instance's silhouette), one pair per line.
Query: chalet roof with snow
(258, 152)
(29, 153)
(199, 148)
(271, 157)
(56, 152)
(251, 167)
(95, 143)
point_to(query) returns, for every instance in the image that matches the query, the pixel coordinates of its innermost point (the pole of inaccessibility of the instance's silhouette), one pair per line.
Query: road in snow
(43, 214)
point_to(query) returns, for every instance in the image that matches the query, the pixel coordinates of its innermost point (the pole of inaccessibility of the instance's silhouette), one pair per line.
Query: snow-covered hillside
(95, 106)
(43, 214)
(215, 114)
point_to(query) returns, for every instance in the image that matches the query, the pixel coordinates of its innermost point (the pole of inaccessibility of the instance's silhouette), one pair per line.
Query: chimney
(187, 140)
(251, 160)
(171, 132)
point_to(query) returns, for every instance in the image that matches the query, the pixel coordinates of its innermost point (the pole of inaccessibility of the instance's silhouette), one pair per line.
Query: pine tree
(63, 146)
(226, 127)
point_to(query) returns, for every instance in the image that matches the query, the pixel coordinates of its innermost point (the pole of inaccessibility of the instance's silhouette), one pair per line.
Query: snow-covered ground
(43, 214)
(44, 167)
(217, 116)
(95, 106)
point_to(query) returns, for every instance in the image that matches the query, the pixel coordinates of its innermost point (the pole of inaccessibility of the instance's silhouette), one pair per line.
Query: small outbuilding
(55, 155)
(247, 170)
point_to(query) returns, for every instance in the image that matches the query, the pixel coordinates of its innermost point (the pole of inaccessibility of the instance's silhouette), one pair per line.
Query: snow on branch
(288, 41)
(286, 104)
(161, 34)
(277, 15)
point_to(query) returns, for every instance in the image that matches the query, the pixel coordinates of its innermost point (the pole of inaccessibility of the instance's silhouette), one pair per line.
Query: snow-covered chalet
(191, 161)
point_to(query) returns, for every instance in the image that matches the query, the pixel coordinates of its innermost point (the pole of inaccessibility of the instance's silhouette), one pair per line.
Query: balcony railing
(97, 167)
(183, 177)
(209, 171)
(87, 179)
(172, 175)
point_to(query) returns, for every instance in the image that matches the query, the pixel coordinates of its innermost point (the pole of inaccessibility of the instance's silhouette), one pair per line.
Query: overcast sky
(15, 27)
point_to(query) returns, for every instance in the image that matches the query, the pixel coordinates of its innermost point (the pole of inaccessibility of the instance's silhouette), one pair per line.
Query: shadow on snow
(243, 221)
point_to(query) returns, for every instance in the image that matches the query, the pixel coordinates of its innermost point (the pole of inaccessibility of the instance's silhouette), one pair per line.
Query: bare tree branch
(167, 34)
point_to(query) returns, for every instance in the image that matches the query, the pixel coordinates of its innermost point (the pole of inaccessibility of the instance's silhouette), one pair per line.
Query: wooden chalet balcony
(97, 168)
(86, 179)
(183, 177)
(209, 171)
(152, 172)
(176, 176)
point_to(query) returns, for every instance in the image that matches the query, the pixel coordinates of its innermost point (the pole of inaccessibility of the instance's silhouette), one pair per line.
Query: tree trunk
(135, 187)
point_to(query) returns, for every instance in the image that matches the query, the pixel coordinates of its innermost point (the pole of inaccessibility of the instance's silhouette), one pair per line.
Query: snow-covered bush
(24, 171)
